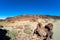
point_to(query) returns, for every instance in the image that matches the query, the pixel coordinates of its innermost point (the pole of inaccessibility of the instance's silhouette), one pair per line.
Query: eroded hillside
(13, 21)
(23, 26)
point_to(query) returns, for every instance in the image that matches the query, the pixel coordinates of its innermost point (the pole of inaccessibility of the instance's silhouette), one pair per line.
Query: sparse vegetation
(33, 20)
(12, 34)
(19, 29)
(27, 29)
(1, 26)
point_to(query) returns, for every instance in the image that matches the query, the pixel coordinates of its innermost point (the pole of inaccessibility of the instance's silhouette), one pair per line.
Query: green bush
(27, 30)
(11, 34)
(1, 26)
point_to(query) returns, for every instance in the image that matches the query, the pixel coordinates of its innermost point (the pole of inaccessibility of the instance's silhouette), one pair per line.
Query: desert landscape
(22, 27)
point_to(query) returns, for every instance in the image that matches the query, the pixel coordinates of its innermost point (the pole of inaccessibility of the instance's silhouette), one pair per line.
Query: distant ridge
(29, 17)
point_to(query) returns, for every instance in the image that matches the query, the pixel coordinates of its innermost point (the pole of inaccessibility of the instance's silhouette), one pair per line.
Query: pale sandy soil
(56, 31)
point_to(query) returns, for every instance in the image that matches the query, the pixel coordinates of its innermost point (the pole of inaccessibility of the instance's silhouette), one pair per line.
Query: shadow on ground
(3, 36)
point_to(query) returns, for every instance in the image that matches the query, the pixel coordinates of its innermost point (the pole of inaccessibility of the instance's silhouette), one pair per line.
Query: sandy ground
(56, 30)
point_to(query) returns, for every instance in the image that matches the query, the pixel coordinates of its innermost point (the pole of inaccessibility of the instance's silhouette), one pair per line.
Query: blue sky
(19, 7)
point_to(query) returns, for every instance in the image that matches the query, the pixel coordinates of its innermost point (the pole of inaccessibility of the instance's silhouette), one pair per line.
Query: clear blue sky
(20, 7)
